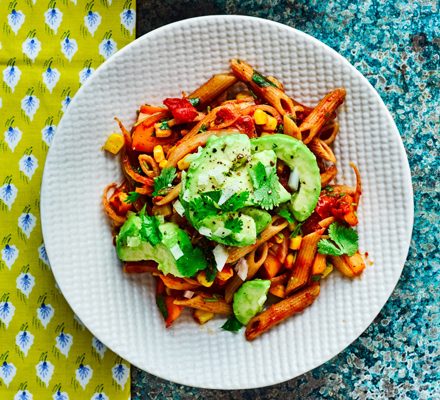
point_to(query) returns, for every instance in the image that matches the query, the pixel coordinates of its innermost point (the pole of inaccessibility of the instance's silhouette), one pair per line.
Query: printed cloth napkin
(48, 49)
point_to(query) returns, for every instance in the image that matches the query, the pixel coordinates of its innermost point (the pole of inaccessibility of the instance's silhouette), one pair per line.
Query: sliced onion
(222, 232)
(179, 208)
(176, 251)
(293, 182)
(242, 269)
(205, 231)
(188, 294)
(227, 193)
(220, 255)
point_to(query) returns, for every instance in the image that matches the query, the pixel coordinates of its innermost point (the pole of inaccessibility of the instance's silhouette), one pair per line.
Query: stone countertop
(395, 44)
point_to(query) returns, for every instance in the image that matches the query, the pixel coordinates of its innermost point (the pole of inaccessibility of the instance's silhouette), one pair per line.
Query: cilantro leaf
(202, 207)
(195, 101)
(191, 262)
(132, 197)
(280, 128)
(149, 230)
(344, 240)
(297, 230)
(164, 126)
(235, 225)
(261, 81)
(160, 302)
(202, 129)
(214, 195)
(286, 214)
(164, 180)
(232, 324)
(265, 186)
(235, 202)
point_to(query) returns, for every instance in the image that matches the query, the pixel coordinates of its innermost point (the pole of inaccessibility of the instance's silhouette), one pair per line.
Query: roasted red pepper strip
(183, 111)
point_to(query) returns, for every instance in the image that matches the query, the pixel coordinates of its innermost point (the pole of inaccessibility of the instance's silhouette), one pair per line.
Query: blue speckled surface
(395, 44)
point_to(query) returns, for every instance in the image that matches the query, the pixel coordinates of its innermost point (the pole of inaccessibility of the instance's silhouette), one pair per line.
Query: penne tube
(213, 88)
(253, 267)
(328, 175)
(279, 312)
(148, 165)
(326, 222)
(202, 302)
(290, 128)
(302, 268)
(235, 253)
(172, 282)
(321, 114)
(269, 91)
(322, 150)
(329, 132)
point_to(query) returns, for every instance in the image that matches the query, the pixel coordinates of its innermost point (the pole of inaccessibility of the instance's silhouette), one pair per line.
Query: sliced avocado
(220, 228)
(249, 299)
(296, 155)
(262, 218)
(130, 246)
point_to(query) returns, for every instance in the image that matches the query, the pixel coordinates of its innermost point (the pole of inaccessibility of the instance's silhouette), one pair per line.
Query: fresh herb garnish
(286, 214)
(212, 299)
(297, 230)
(149, 230)
(202, 129)
(265, 185)
(193, 259)
(164, 126)
(235, 225)
(261, 81)
(328, 188)
(343, 241)
(132, 197)
(195, 101)
(203, 206)
(232, 324)
(160, 301)
(164, 181)
(235, 202)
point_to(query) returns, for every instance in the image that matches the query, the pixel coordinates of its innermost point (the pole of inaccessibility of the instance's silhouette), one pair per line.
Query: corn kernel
(201, 278)
(163, 164)
(328, 270)
(244, 96)
(260, 117)
(202, 316)
(114, 143)
(271, 123)
(158, 153)
(295, 242)
(290, 259)
(183, 164)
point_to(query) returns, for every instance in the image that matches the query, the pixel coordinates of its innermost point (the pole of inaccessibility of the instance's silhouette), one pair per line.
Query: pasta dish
(229, 201)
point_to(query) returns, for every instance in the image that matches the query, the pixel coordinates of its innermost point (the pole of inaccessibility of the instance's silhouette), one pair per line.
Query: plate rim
(406, 171)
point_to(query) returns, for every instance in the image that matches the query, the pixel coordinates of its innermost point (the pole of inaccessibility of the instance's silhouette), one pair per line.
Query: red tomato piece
(183, 111)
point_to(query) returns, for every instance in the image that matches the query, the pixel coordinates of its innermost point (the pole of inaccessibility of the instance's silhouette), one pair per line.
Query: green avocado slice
(296, 155)
(249, 299)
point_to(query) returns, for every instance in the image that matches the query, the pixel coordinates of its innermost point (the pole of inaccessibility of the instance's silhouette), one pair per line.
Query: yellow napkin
(47, 50)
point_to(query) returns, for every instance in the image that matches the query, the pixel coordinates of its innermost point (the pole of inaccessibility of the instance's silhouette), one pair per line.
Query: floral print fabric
(48, 49)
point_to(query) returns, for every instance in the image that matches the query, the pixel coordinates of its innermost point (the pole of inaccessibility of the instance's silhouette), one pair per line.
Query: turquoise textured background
(395, 44)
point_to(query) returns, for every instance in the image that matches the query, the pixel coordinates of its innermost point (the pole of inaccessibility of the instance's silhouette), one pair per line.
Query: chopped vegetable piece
(114, 143)
(265, 185)
(164, 181)
(232, 324)
(183, 111)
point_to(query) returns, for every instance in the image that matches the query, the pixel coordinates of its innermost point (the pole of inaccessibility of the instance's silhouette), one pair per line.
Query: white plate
(120, 310)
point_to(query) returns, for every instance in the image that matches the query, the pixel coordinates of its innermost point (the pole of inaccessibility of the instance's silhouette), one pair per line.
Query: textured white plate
(120, 310)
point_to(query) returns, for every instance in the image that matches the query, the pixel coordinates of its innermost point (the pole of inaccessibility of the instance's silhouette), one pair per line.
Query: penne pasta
(329, 132)
(321, 114)
(213, 88)
(172, 282)
(279, 312)
(270, 92)
(321, 150)
(302, 268)
(319, 265)
(148, 165)
(290, 128)
(202, 302)
(170, 196)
